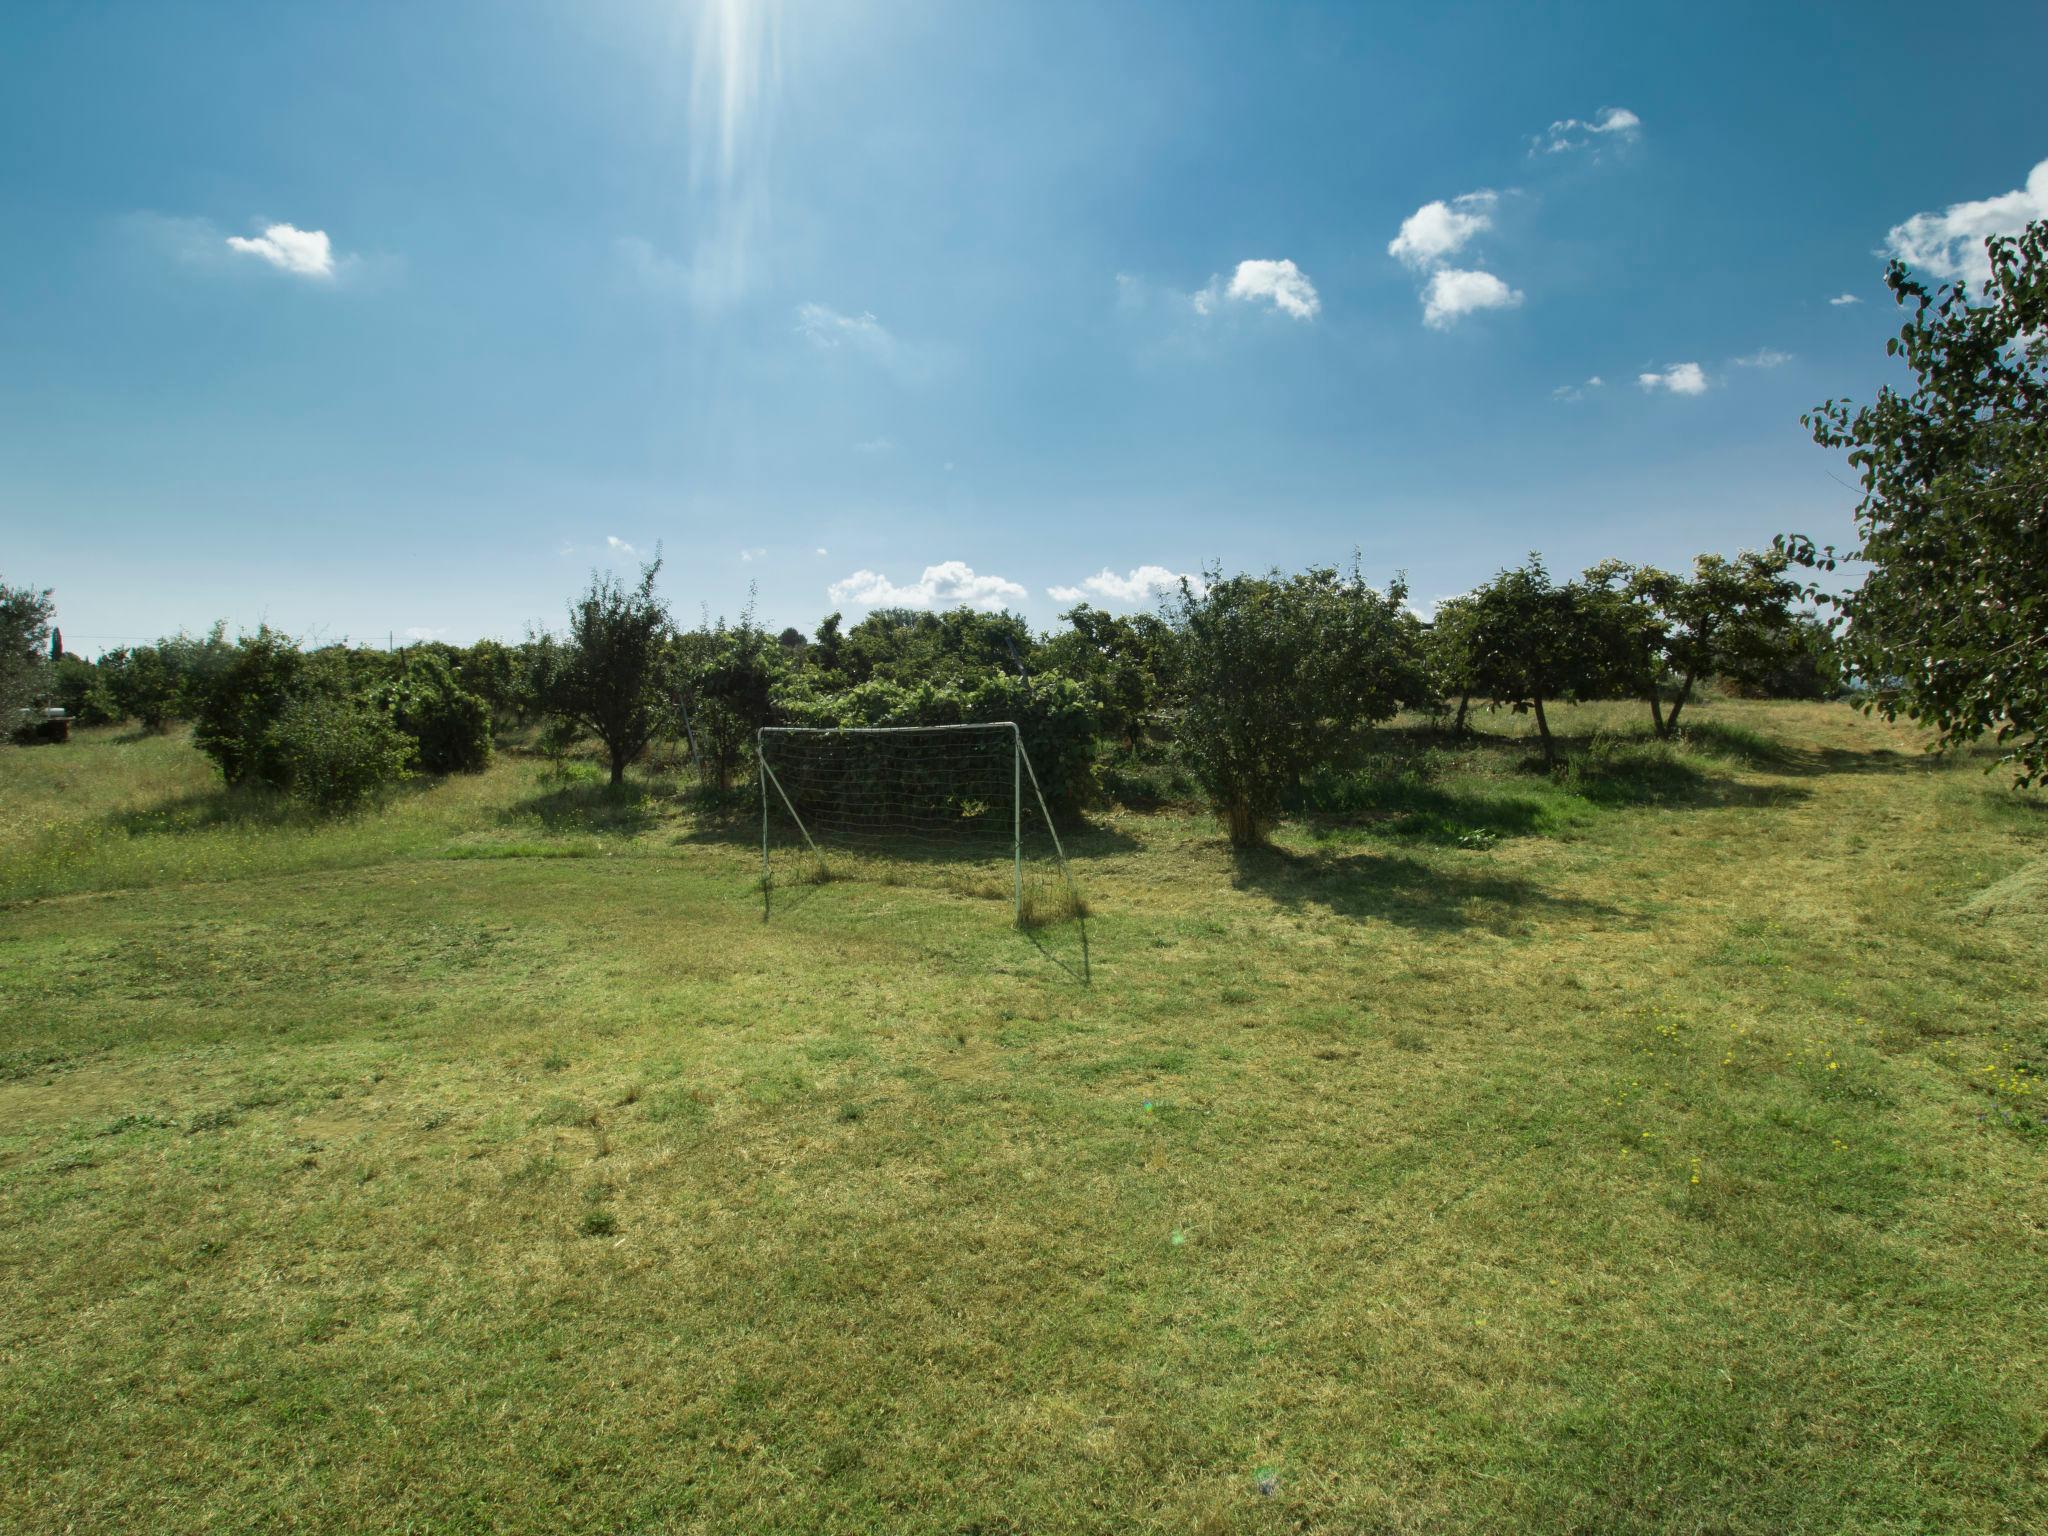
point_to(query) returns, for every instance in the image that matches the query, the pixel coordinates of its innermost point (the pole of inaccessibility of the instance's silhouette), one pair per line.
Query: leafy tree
(1531, 643)
(489, 669)
(1449, 657)
(450, 728)
(608, 672)
(82, 690)
(240, 700)
(1675, 630)
(1951, 618)
(1276, 673)
(1125, 662)
(24, 637)
(728, 675)
(825, 644)
(1804, 664)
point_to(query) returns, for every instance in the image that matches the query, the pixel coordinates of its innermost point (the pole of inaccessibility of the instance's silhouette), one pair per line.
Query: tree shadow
(614, 810)
(1080, 839)
(249, 805)
(1396, 889)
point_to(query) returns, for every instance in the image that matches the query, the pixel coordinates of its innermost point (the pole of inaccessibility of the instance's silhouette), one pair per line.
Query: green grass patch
(1653, 1146)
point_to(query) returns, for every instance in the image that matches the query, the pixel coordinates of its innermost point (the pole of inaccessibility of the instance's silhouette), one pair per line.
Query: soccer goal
(956, 806)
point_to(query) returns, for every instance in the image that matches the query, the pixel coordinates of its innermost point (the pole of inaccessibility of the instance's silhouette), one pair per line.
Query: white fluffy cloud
(1845, 298)
(951, 584)
(1678, 379)
(1950, 244)
(618, 546)
(1616, 124)
(1145, 584)
(1578, 391)
(1429, 237)
(1454, 292)
(1279, 283)
(301, 252)
(749, 556)
(425, 632)
(1437, 231)
(1763, 357)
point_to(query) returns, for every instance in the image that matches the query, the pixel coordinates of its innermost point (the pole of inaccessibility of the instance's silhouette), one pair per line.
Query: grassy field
(1658, 1149)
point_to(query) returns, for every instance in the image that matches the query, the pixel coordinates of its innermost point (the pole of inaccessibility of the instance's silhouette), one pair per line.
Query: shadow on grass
(1412, 808)
(251, 806)
(580, 805)
(1395, 889)
(738, 826)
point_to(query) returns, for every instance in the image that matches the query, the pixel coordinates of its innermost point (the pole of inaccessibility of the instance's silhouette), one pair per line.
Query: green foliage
(1275, 673)
(607, 676)
(239, 701)
(1665, 631)
(24, 640)
(82, 691)
(1126, 663)
(334, 752)
(728, 675)
(1951, 620)
(450, 727)
(1054, 715)
(490, 671)
(907, 645)
(1527, 642)
(154, 684)
(1806, 663)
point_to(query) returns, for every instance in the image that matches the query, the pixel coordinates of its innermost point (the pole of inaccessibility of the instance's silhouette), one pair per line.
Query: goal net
(954, 808)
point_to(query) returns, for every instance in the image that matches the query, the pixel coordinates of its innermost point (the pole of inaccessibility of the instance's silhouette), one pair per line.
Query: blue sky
(384, 319)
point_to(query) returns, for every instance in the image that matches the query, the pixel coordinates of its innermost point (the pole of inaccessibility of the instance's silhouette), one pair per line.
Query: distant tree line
(1246, 684)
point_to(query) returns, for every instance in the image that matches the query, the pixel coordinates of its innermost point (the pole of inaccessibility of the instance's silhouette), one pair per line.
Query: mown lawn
(1656, 1150)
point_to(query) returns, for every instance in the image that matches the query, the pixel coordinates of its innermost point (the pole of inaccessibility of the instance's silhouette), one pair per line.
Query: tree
(1449, 657)
(1531, 643)
(449, 727)
(729, 674)
(240, 700)
(607, 674)
(1124, 662)
(24, 638)
(1664, 632)
(1951, 618)
(1276, 673)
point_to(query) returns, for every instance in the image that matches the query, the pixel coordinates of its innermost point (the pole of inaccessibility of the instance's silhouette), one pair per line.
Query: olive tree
(1950, 620)
(1275, 672)
(605, 676)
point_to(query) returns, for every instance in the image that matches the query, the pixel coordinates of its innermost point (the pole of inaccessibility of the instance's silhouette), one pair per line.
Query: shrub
(1277, 671)
(334, 753)
(449, 726)
(239, 701)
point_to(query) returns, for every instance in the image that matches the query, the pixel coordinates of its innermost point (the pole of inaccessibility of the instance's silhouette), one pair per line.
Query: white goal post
(955, 793)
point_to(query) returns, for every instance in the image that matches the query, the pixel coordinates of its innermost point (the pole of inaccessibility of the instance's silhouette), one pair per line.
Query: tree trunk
(1543, 729)
(1656, 710)
(1245, 831)
(1458, 728)
(618, 767)
(1684, 693)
